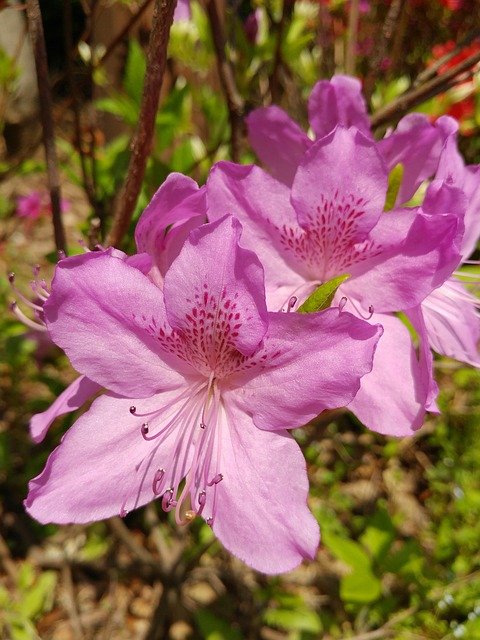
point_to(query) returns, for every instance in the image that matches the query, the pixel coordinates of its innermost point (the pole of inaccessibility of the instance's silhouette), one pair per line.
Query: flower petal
(341, 205)
(180, 203)
(404, 272)
(103, 313)
(416, 144)
(452, 323)
(262, 515)
(312, 362)
(262, 205)
(74, 396)
(103, 464)
(392, 398)
(217, 286)
(278, 141)
(337, 101)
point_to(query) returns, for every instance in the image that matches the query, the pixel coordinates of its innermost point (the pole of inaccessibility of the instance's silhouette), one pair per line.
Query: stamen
(370, 310)
(144, 429)
(24, 299)
(61, 254)
(190, 515)
(157, 480)
(209, 521)
(291, 303)
(123, 512)
(218, 478)
(133, 410)
(25, 319)
(342, 303)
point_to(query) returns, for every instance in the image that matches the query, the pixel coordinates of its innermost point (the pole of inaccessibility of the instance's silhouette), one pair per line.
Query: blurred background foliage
(400, 553)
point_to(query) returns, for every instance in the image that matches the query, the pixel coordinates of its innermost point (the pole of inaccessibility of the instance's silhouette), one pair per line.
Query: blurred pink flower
(36, 204)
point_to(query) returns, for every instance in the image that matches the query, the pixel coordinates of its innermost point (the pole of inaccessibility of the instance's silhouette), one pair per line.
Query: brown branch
(35, 28)
(235, 103)
(416, 96)
(123, 33)
(287, 10)
(352, 33)
(431, 71)
(143, 139)
(388, 29)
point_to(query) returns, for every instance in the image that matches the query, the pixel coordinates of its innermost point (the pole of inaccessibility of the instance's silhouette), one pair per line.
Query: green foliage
(395, 178)
(322, 297)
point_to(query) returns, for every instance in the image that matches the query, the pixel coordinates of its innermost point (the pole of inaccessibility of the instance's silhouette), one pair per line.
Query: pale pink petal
(74, 396)
(337, 101)
(416, 144)
(105, 315)
(425, 359)
(344, 201)
(103, 465)
(262, 205)
(262, 515)
(278, 141)
(312, 362)
(179, 204)
(217, 286)
(421, 256)
(452, 323)
(182, 11)
(392, 398)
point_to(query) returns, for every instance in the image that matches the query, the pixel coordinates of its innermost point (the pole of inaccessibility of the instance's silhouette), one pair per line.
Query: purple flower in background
(202, 383)
(37, 204)
(250, 26)
(331, 222)
(182, 11)
(452, 324)
(281, 144)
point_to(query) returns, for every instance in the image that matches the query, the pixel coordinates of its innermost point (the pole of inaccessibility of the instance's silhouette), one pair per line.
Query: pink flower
(30, 206)
(178, 205)
(281, 144)
(37, 204)
(452, 325)
(202, 384)
(331, 222)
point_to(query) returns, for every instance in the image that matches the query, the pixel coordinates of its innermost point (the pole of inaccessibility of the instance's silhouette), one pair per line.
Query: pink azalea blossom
(202, 383)
(281, 144)
(331, 222)
(452, 323)
(37, 204)
(178, 205)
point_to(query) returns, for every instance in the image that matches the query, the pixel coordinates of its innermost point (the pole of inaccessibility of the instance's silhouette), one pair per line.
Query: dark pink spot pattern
(328, 244)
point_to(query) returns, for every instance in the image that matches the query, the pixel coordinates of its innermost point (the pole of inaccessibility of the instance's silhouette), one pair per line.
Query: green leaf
(294, 620)
(39, 597)
(135, 71)
(361, 587)
(348, 552)
(395, 178)
(322, 297)
(214, 628)
(379, 534)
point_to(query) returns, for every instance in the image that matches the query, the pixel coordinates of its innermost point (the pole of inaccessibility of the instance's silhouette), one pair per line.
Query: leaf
(214, 628)
(361, 587)
(348, 552)
(379, 534)
(395, 178)
(322, 297)
(135, 71)
(294, 620)
(38, 598)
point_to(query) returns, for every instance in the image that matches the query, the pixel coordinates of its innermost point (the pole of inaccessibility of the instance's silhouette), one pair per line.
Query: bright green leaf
(294, 620)
(361, 587)
(322, 297)
(395, 178)
(348, 551)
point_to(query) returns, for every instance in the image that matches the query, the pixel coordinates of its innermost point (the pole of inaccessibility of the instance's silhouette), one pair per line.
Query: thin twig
(35, 27)
(416, 96)
(431, 71)
(86, 177)
(70, 601)
(388, 29)
(123, 33)
(143, 139)
(122, 532)
(235, 103)
(326, 40)
(352, 33)
(287, 8)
